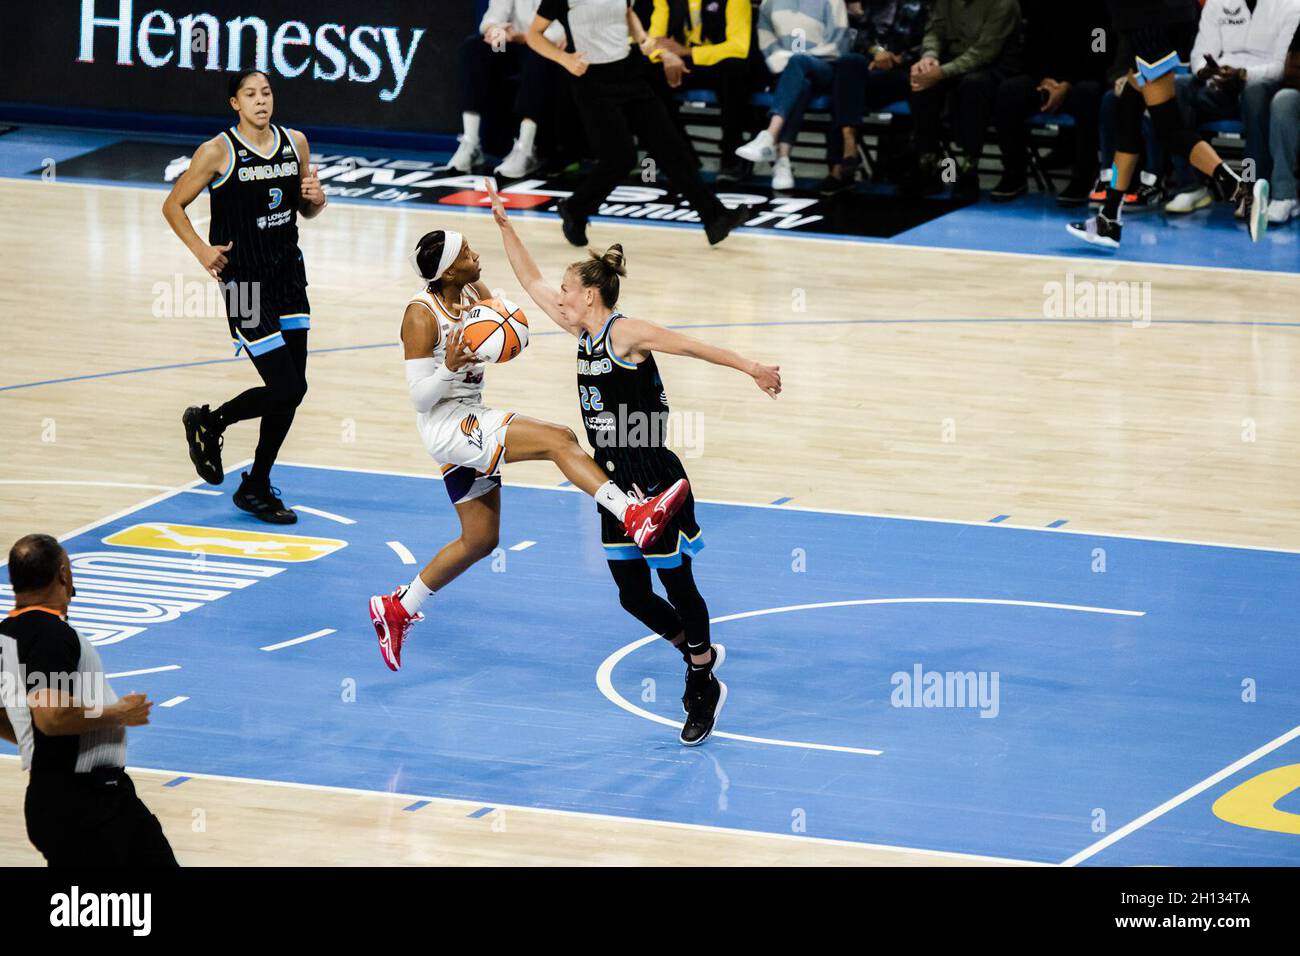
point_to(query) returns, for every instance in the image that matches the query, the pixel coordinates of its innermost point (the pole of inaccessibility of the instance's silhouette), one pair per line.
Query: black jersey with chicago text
(255, 204)
(625, 414)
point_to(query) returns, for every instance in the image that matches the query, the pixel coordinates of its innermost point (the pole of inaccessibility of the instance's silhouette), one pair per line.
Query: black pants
(683, 613)
(93, 819)
(971, 96)
(1018, 99)
(480, 71)
(284, 372)
(619, 107)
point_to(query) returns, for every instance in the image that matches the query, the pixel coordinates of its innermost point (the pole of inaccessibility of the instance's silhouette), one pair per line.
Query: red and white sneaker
(392, 622)
(645, 520)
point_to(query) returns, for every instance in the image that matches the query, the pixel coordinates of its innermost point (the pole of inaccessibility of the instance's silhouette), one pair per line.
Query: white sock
(612, 499)
(527, 133)
(1148, 179)
(470, 122)
(416, 593)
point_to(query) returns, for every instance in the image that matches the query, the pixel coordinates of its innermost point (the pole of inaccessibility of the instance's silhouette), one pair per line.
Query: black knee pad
(1132, 107)
(1171, 131)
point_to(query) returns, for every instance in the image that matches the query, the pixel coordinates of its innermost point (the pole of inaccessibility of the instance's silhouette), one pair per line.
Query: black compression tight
(683, 612)
(284, 372)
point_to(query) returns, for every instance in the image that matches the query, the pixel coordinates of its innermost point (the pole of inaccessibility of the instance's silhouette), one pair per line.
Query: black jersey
(1129, 15)
(255, 204)
(625, 414)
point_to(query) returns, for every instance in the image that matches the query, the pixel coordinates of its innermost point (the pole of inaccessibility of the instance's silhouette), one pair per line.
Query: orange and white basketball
(496, 330)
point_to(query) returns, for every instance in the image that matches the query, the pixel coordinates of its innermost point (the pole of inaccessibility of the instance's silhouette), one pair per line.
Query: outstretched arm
(526, 271)
(636, 338)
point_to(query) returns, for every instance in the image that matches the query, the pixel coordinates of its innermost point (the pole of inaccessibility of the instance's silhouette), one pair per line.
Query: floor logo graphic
(226, 542)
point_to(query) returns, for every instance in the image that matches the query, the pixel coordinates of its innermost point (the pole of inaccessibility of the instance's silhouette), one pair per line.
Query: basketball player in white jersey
(471, 440)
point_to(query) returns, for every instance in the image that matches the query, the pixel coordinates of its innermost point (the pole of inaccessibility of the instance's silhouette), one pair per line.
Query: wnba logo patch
(226, 542)
(469, 427)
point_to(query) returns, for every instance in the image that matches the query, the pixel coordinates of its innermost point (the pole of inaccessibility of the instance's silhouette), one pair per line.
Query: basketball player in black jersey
(624, 409)
(1160, 34)
(261, 180)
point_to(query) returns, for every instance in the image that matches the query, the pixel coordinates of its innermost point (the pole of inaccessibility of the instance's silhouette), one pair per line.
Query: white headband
(451, 246)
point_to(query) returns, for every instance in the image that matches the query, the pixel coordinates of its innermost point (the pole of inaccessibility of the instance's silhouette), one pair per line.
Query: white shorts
(468, 440)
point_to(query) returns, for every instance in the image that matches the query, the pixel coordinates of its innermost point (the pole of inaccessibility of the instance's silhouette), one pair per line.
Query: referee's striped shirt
(597, 28)
(39, 649)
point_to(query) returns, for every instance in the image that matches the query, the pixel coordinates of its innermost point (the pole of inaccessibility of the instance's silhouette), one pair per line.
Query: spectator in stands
(800, 40)
(970, 46)
(1284, 139)
(486, 58)
(1063, 75)
(887, 41)
(1147, 190)
(704, 44)
(1241, 48)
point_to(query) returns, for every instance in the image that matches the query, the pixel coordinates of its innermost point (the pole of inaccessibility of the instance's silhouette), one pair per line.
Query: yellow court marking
(227, 542)
(1254, 803)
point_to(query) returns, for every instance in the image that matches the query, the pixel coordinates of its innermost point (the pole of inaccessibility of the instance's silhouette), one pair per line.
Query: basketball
(496, 330)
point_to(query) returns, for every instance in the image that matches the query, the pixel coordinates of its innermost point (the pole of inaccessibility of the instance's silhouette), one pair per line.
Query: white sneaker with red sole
(645, 521)
(392, 622)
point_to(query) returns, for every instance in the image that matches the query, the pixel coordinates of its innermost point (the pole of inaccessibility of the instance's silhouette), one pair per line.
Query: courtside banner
(383, 64)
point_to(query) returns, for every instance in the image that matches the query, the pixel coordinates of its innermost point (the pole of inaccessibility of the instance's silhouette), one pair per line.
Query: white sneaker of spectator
(782, 175)
(1282, 210)
(760, 149)
(1189, 201)
(519, 163)
(468, 155)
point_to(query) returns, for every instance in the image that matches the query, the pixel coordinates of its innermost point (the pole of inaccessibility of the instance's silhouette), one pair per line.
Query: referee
(69, 726)
(617, 103)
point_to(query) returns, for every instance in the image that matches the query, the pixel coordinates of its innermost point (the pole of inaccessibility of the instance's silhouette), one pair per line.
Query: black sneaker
(262, 501)
(706, 697)
(205, 441)
(735, 172)
(574, 231)
(1009, 187)
(967, 188)
(1099, 231)
(1076, 193)
(719, 655)
(1147, 196)
(721, 226)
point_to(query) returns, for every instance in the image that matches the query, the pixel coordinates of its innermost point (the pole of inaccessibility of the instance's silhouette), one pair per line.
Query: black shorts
(262, 304)
(656, 471)
(1158, 50)
(93, 820)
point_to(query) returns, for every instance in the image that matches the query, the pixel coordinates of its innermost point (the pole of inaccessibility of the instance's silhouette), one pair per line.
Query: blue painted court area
(1122, 695)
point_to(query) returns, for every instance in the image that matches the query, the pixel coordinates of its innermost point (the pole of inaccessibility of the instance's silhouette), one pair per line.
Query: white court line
(516, 808)
(110, 484)
(324, 631)
(483, 212)
(144, 670)
(604, 673)
(837, 511)
(174, 701)
(402, 551)
(522, 545)
(1182, 798)
(131, 509)
(323, 514)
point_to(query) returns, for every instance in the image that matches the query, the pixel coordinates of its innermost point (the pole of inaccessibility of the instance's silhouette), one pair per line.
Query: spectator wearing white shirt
(487, 58)
(1237, 63)
(1284, 139)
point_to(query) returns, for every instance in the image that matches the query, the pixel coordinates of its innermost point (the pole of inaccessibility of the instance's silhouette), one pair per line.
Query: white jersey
(466, 437)
(468, 384)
